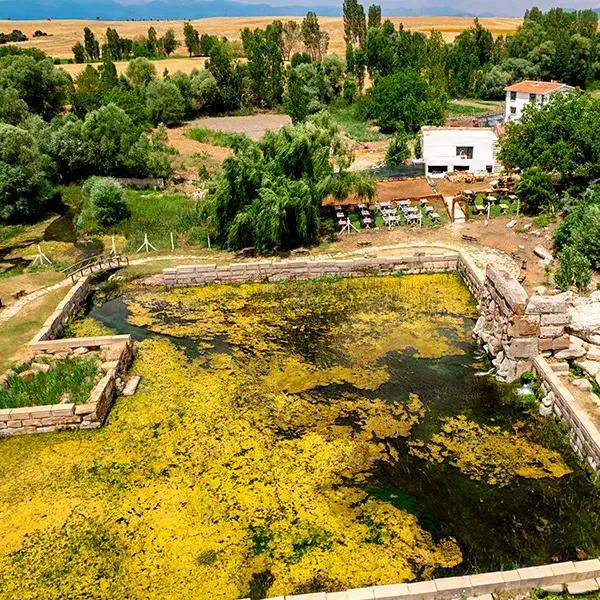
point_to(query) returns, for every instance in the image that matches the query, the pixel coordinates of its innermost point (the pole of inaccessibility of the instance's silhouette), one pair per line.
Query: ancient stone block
(587, 569)
(422, 590)
(561, 343)
(522, 347)
(569, 353)
(13, 424)
(524, 326)
(554, 319)
(551, 331)
(585, 586)
(62, 410)
(532, 577)
(539, 305)
(508, 288)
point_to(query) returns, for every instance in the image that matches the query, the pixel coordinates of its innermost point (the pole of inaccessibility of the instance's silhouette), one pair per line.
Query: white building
(448, 149)
(521, 94)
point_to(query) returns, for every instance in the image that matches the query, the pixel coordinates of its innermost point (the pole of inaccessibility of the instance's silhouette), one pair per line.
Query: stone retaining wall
(66, 310)
(558, 400)
(116, 352)
(514, 327)
(276, 270)
(577, 576)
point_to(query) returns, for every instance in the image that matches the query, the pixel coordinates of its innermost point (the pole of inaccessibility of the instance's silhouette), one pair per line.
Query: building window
(513, 96)
(513, 110)
(532, 97)
(489, 168)
(464, 151)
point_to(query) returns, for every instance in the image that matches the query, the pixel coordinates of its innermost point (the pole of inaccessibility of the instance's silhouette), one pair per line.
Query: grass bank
(71, 379)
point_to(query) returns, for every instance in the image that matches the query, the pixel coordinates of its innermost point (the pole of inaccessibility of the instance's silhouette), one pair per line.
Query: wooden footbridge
(96, 264)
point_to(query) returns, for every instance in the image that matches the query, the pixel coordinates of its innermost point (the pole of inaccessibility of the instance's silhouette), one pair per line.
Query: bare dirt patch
(254, 126)
(178, 139)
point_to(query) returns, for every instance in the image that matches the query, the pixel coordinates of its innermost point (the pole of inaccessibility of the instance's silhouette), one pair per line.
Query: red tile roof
(536, 87)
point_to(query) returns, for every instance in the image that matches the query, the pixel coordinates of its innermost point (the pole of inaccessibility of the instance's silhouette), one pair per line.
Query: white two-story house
(447, 149)
(520, 95)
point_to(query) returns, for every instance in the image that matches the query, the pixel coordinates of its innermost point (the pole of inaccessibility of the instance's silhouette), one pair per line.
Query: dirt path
(178, 139)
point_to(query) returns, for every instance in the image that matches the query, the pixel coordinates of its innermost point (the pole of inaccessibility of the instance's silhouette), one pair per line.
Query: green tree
(91, 45)
(562, 137)
(315, 40)
(334, 69)
(397, 152)
(269, 194)
(355, 27)
(87, 95)
(24, 185)
(191, 38)
(536, 191)
(43, 87)
(165, 102)
(79, 52)
(228, 76)
(574, 270)
(263, 48)
(586, 237)
(108, 75)
(374, 18)
(140, 71)
(107, 201)
(406, 101)
(13, 109)
(306, 91)
(169, 42)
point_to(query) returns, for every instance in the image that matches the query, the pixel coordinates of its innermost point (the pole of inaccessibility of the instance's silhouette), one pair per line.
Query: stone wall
(576, 577)
(514, 328)
(116, 353)
(276, 270)
(69, 306)
(558, 400)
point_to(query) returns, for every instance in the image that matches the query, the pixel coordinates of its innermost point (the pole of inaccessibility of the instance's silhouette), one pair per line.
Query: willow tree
(269, 194)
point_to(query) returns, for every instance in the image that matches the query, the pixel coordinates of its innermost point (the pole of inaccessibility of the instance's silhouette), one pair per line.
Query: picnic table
(423, 201)
(434, 216)
(403, 203)
(480, 208)
(367, 221)
(503, 207)
(365, 213)
(340, 215)
(429, 209)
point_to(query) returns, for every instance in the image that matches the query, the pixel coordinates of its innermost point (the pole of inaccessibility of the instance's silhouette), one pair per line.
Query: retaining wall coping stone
(365, 593)
(335, 596)
(488, 582)
(511, 578)
(588, 568)
(314, 596)
(389, 592)
(451, 587)
(62, 410)
(563, 568)
(423, 590)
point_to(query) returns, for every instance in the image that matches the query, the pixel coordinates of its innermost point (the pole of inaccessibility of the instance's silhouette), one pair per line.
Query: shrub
(398, 151)
(574, 270)
(107, 204)
(536, 191)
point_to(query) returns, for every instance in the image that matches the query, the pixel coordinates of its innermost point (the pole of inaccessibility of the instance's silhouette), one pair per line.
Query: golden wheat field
(64, 33)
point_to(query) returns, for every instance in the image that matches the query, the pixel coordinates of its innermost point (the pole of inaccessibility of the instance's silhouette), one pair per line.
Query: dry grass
(64, 33)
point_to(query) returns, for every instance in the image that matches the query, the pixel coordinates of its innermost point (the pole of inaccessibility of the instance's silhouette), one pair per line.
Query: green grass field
(353, 126)
(159, 214)
(216, 138)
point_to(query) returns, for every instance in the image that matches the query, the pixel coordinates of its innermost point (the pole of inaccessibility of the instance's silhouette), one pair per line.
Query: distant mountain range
(198, 9)
(181, 9)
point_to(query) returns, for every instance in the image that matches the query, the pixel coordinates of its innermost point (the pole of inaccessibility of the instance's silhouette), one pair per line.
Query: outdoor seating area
(346, 218)
(488, 205)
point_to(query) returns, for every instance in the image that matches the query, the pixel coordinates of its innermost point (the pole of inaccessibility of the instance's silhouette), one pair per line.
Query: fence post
(172, 242)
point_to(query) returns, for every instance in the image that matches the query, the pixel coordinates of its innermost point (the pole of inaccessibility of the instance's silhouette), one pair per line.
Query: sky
(493, 7)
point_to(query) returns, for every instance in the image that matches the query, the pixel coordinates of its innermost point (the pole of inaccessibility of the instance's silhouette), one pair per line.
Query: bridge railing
(95, 263)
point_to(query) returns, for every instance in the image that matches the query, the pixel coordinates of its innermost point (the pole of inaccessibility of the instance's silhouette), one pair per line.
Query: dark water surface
(526, 522)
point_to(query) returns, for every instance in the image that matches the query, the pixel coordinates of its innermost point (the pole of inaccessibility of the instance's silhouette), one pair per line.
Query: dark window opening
(513, 96)
(513, 110)
(461, 168)
(437, 168)
(464, 151)
(532, 97)
(489, 168)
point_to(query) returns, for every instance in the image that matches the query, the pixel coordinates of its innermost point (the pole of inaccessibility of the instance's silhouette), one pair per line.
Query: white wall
(522, 100)
(440, 148)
